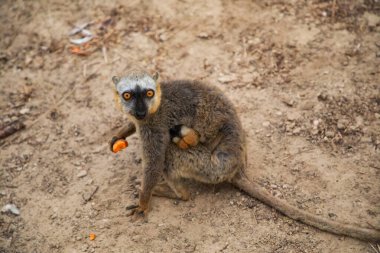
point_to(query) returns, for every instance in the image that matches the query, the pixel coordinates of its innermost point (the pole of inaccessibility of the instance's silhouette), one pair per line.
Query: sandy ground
(304, 76)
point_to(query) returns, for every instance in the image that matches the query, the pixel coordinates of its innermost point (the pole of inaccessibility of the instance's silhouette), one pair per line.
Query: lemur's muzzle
(140, 115)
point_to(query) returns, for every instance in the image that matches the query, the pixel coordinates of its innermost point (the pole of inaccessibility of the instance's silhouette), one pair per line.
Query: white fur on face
(129, 83)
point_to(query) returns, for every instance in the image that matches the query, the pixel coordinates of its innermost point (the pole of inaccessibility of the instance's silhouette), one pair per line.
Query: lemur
(190, 130)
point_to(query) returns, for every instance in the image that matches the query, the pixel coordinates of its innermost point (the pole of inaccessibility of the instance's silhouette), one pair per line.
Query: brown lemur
(190, 130)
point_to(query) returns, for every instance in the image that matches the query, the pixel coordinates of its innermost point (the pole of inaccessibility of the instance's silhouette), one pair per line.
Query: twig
(376, 250)
(10, 129)
(104, 50)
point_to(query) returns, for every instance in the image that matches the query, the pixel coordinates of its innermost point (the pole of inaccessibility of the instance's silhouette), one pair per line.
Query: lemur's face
(139, 94)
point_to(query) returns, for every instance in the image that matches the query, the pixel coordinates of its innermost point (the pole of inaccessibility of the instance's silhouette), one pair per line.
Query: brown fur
(219, 156)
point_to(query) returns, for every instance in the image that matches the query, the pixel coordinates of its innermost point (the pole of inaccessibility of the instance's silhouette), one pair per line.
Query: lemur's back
(200, 106)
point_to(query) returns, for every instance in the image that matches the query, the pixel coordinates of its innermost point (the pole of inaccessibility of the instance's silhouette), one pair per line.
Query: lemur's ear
(115, 80)
(155, 76)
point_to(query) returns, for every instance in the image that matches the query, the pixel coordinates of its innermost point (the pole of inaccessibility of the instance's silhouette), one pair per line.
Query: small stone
(293, 116)
(10, 208)
(273, 186)
(164, 36)
(288, 101)
(297, 130)
(266, 124)
(227, 78)
(82, 173)
(342, 124)
(314, 131)
(279, 113)
(87, 195)
(323, 96)
(330, 134)
(203, 35)
(318, 211)
(308, 105)
(28, 60)
(254, 41)
(24, 110)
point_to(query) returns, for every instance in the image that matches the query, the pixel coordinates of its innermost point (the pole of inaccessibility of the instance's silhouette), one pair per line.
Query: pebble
(293, 116)
(24, 110)
(203, 35)
(330, 134)
(82, 173)
(227, 78)
(10, 208)
(342, 124)
(266, 124)
(297, 130)
(289, 102)
(314, 131)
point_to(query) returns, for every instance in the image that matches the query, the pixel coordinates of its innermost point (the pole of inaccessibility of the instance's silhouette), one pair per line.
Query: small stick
(11, 129)
(104, 50)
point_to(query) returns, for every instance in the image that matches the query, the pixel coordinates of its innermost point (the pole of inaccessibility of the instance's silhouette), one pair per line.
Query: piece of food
(92, 236)
(119, 145)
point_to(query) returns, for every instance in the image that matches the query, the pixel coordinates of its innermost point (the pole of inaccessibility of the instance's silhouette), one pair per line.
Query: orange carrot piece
(92, 236)
(119, 145)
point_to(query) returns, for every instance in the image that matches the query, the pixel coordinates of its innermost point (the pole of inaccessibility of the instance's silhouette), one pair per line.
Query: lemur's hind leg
(164, 190)
(184, 136)
(171, 188)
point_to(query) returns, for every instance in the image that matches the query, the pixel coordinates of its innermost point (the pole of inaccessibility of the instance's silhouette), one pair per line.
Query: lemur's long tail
(257, 191)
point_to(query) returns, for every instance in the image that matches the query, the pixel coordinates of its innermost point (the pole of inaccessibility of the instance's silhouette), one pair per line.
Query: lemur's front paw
(137, 213)
(184, 136)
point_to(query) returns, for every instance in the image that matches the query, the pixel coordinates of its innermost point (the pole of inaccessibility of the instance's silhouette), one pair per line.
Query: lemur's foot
(137, 213)
(164, 190)
(184, 136)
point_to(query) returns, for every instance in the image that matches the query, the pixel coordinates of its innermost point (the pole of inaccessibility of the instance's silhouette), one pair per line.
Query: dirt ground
(304, 76)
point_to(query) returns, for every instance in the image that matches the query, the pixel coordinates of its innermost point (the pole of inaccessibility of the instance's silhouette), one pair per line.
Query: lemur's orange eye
(150, 93)
(126, 95)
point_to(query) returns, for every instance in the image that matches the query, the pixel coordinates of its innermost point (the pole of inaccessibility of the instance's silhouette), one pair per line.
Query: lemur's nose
(140, 114)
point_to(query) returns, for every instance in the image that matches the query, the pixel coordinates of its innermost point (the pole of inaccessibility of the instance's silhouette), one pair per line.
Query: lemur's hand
(117, 144)
(184, 136)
